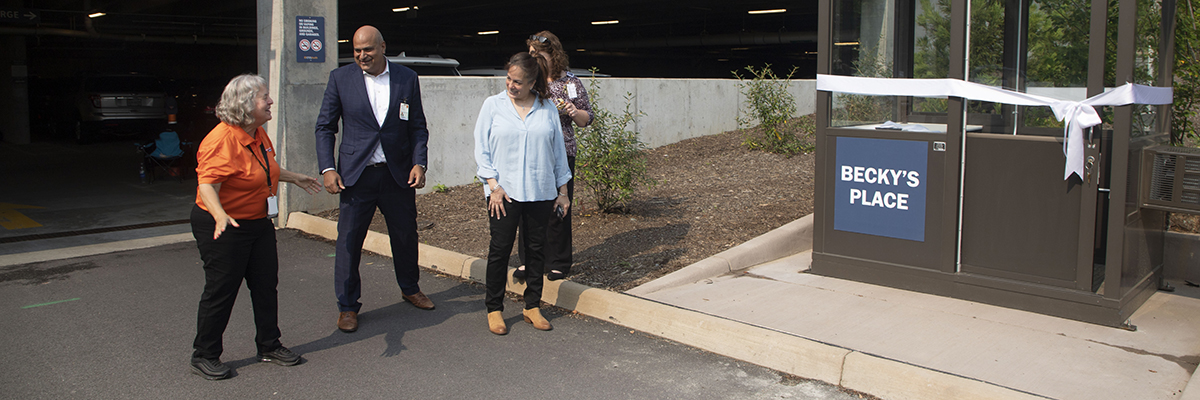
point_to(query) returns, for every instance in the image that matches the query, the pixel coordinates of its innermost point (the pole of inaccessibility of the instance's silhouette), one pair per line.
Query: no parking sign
(310, 37)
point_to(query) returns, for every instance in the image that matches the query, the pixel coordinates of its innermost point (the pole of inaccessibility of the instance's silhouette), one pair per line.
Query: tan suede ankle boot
(496, 323)
(534, 316)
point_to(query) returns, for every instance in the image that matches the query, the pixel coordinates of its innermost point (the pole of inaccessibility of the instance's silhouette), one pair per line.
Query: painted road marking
(11, 219)
(46, 304)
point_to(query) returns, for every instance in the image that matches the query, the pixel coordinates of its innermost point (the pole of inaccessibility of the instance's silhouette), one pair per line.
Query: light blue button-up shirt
(527, 158)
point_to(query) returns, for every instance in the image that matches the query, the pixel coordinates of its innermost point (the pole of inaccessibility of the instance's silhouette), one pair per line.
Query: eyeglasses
(538, 38)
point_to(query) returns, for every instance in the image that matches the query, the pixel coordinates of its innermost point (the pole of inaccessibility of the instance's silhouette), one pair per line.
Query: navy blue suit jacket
(405, 143)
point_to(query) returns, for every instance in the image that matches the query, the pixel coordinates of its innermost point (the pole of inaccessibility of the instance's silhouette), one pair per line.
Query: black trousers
(376, 188)
(241, 253)
(531, 217)
(557, 251)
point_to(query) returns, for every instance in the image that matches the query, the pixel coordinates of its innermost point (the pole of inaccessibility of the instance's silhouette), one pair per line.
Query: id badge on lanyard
(272, 206)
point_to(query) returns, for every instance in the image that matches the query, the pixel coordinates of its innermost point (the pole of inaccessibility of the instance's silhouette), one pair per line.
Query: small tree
(611, 161)
(771, 106)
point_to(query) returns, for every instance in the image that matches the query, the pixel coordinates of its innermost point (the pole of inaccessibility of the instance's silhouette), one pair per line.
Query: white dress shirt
(379, 91)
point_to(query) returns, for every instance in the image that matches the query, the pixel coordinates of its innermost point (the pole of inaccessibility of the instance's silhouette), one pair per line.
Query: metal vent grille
(1162, 177)
(1173, 181)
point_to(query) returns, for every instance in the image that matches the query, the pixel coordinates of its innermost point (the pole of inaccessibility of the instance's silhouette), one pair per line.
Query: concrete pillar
(297, 88)
(14, 90)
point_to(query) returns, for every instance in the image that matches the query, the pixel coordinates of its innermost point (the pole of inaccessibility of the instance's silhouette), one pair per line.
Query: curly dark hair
(558, 58)
(527, 63)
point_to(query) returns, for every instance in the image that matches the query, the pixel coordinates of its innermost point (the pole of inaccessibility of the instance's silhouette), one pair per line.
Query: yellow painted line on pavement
(11, 219)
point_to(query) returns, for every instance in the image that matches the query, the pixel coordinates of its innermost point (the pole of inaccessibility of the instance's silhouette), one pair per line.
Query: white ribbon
(1078, 115)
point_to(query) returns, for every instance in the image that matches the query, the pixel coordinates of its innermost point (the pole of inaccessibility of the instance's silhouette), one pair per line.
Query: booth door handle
(1087, 168)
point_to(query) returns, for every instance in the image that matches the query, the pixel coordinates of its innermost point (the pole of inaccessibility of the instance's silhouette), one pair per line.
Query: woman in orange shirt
(238, 180)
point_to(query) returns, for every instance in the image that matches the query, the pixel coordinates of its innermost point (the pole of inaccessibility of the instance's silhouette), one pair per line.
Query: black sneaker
(281, 356)
(210, 369)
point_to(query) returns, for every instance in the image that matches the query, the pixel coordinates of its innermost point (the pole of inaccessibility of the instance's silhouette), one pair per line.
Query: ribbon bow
(1076, 115)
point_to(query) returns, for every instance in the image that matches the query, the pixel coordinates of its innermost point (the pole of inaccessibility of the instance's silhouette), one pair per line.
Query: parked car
(120, 105)
(499, 71)
(428, 65)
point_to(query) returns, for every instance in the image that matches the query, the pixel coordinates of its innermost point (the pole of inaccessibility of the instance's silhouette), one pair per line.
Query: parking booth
(998, 151)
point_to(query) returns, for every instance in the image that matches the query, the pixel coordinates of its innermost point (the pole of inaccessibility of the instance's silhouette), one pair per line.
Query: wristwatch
(423, 167)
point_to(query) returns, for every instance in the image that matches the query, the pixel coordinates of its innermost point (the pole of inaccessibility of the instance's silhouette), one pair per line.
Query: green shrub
(610, 160)
(770, 106)
(440, 188)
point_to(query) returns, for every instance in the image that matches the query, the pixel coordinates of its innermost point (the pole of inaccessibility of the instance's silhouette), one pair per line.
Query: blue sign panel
(881, 187)
(310, 39)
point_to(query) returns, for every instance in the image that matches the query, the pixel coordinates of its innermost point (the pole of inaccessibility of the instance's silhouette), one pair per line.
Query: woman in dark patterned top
(569, 95)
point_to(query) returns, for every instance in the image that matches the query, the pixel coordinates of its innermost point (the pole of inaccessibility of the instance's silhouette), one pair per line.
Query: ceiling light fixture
(488, 33)
(344, 41)
(96, 15)
(845, 44)
(774, 11)
(580, 49)
(610, 22)
(403, 9)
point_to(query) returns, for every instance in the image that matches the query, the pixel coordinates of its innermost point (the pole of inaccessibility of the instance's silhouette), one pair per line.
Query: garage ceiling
(653, 38)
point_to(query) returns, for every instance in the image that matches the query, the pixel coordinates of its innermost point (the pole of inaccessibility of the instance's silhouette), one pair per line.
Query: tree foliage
(1187, 72)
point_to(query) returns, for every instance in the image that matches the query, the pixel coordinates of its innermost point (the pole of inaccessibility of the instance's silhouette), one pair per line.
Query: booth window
(889, 39)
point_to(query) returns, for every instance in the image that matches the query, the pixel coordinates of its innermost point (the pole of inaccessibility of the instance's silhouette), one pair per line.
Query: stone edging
(878, 376)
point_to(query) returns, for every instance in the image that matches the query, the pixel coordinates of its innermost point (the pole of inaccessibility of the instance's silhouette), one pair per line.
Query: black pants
(247, 252)
(531, 217)
(376, 188)
(557, 251)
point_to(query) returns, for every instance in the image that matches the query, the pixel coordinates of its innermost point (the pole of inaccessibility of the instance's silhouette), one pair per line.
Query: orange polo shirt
(223, 158)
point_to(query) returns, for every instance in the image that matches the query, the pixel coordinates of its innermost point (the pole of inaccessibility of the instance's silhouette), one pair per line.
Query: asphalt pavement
(120, 325)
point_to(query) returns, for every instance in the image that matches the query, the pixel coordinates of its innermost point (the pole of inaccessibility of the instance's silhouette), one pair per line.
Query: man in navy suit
(380, 163)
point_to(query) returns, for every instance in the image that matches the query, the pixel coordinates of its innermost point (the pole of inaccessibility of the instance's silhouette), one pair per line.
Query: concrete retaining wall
(675, 109)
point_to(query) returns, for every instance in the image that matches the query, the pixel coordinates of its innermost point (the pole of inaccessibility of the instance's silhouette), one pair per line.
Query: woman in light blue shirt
(521, 156)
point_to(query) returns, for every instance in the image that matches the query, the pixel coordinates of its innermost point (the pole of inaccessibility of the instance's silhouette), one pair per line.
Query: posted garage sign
(880, 186)
(310, 39)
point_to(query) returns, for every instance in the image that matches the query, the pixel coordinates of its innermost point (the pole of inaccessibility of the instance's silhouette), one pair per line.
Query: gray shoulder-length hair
(236, 106)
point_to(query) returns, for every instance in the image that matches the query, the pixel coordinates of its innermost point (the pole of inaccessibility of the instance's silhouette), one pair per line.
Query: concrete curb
(885, 378)
(791, 238)
(1192, 390)
(93, 249)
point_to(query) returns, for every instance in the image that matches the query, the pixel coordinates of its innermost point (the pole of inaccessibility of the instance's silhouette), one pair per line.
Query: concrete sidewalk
(886, 342)
(925, 347)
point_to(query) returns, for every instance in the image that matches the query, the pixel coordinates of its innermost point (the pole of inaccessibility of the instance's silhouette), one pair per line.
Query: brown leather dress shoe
(348, 321)
(496, 323)
(420, 301)
(534, 316)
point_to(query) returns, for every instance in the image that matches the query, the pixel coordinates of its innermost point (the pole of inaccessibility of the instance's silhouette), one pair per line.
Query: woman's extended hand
(496, 202)
(223, 221)
(308, 183)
